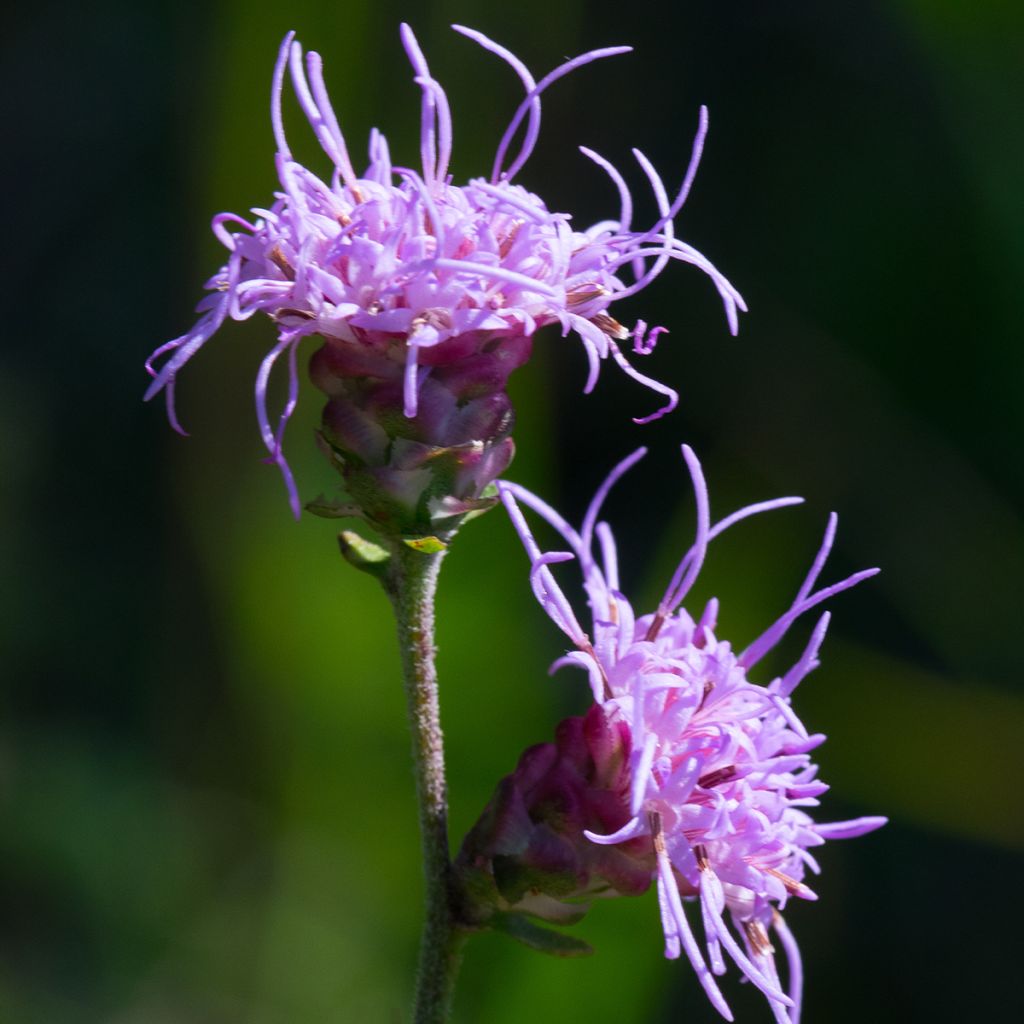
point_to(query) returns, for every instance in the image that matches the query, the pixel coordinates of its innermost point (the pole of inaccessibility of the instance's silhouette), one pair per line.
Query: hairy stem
(411, 585)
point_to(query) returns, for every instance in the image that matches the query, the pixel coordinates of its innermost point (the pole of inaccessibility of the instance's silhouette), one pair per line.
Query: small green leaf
(487, 500)
(542, 939)
(363, 554)
(427, 545)
(327, 509)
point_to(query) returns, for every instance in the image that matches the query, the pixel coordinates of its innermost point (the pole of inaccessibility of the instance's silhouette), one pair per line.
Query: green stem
(411, 585)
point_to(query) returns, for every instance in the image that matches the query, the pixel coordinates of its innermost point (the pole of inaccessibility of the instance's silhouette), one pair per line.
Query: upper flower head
(721, 779)
(414, 270)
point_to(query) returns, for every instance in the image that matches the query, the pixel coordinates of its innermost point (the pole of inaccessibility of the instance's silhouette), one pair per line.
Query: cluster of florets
(426, 296)
(417, 272)
(721, 780)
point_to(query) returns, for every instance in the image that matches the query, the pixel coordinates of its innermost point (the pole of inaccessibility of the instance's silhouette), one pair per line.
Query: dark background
(207, 807)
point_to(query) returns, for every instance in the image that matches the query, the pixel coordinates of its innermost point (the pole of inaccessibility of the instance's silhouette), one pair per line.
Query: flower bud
(528, 853)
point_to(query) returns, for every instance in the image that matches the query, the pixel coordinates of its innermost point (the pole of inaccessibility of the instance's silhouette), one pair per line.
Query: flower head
(406, 275)
(721, 780)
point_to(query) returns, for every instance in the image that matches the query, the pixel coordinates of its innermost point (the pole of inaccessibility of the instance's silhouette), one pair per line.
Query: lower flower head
(408, 269)
(720, 774)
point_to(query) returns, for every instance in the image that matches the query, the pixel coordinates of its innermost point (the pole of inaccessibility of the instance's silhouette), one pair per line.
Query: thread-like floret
(721, 777)
(403, 262)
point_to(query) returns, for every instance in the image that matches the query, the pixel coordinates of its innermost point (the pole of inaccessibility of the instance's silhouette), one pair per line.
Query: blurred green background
(207, 808)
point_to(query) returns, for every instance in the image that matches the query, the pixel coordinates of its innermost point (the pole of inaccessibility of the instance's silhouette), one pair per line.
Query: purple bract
(400, 263)
(721, 779)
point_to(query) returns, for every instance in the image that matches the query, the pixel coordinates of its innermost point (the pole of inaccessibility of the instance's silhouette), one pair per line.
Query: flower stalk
(411, 583)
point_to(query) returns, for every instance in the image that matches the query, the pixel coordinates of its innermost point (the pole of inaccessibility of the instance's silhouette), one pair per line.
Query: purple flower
(721, 779)
(412, 272)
